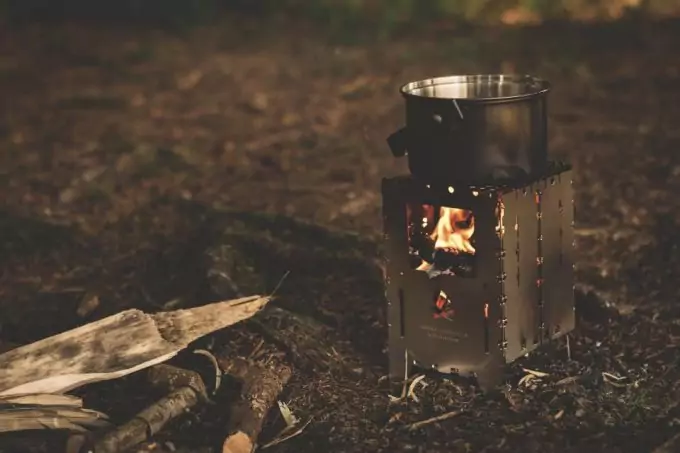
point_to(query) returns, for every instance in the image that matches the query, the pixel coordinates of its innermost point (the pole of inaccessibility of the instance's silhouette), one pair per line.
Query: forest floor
(124, 152)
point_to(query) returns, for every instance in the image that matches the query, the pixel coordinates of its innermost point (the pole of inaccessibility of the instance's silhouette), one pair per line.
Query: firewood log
(262, 384)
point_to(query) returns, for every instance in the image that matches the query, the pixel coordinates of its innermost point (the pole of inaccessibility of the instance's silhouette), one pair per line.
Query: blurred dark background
(386, 14)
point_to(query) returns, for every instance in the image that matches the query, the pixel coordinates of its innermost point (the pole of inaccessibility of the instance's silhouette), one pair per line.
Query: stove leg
(400, 364)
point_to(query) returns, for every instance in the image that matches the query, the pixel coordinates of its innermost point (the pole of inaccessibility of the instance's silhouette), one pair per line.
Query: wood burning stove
(480, 273)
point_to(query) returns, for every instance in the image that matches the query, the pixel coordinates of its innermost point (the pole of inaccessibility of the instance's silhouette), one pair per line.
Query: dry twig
(436, 419)
(284, 437)
(412, 387)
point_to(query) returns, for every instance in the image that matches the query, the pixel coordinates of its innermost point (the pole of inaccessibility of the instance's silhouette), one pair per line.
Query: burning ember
(444, 247)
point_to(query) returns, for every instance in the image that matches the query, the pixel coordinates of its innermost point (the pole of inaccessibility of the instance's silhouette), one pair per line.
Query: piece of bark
(114, 346)
(29, 417)
(262, 385)
(42, 399)
(47, 411)
(148, 422)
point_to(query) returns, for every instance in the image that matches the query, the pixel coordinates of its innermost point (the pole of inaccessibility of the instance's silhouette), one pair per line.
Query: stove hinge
(542, 334)
(502, 299)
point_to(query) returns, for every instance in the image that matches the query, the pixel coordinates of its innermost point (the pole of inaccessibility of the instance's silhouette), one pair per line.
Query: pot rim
(536, 87)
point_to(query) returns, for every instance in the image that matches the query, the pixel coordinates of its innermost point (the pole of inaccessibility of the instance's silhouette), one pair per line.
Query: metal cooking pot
(474, 128)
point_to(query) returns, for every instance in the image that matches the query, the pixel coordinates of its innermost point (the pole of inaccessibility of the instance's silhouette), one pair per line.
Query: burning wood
(448, 248)
(454, 230)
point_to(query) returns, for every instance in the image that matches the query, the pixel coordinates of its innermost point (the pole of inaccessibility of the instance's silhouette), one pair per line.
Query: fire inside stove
(441, 240)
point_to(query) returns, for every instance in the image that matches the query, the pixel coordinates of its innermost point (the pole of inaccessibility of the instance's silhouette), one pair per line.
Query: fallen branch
(148, 422)
(262, 385)
(436, 419)
(114, 346)
(186, 390)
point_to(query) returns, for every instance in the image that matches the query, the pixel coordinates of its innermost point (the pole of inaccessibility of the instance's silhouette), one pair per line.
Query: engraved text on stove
(443, 334)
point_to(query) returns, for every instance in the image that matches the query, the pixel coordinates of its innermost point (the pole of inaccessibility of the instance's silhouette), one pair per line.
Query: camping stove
(477, 274)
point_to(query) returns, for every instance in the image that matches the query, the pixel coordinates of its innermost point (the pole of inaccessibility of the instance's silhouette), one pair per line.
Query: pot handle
(397, 142)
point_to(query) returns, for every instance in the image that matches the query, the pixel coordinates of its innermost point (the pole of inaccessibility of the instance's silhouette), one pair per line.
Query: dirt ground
(123, 150)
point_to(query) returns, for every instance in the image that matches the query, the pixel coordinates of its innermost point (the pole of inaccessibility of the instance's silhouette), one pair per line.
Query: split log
(186, 389)
(34, 412)
(114, 346)
(262, 385)
(30, 419)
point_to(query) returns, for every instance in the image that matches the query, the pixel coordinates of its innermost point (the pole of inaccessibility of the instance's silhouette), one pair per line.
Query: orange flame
(453, 232)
